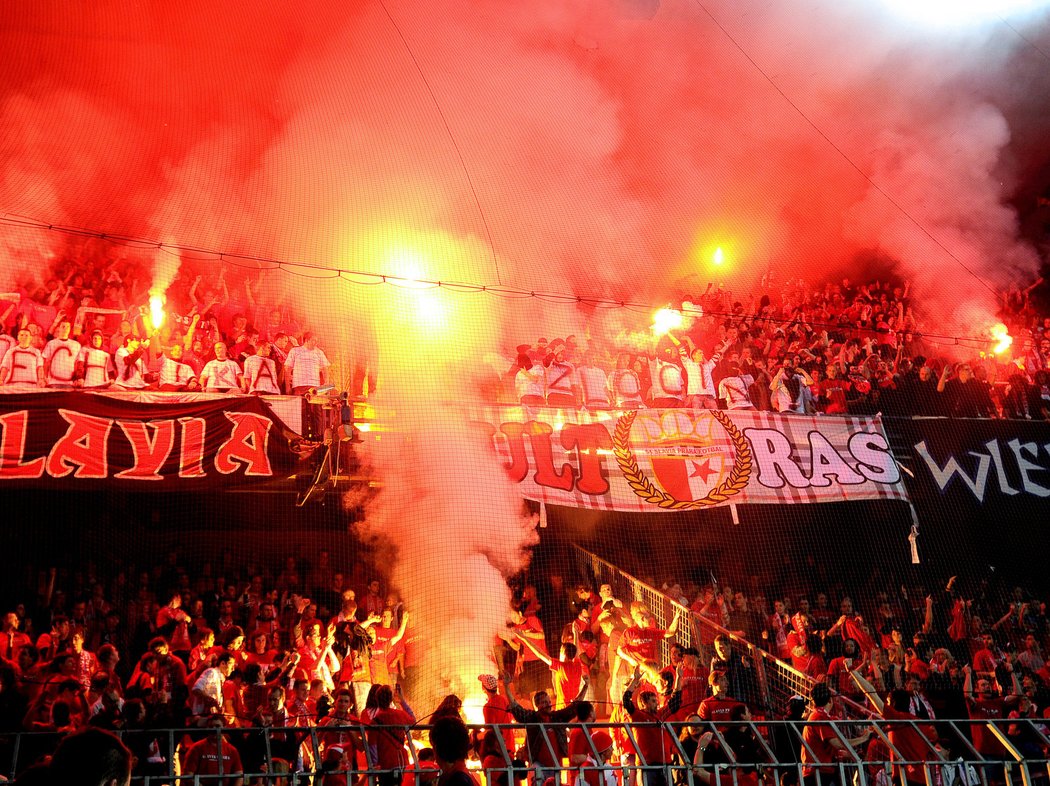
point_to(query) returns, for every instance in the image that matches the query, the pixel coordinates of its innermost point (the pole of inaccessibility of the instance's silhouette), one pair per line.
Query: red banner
(84, 441)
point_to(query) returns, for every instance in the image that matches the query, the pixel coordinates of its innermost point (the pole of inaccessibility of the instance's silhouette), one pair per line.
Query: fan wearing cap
(595, 770)
(496, 709)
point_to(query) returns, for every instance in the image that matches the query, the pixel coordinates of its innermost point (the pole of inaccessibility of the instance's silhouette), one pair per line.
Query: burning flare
(665, 320)
(1002, 338)
(156, 310)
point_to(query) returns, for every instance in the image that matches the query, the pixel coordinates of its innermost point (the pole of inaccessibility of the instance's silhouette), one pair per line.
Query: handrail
(312, 739)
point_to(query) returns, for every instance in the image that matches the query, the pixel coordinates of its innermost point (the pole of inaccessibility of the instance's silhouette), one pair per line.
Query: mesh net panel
(430, 195)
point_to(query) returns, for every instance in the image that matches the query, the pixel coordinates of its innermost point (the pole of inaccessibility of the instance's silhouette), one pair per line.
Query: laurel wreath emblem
(641, 485)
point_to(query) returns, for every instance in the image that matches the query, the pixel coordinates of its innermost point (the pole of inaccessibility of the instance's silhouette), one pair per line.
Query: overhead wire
(326, 272)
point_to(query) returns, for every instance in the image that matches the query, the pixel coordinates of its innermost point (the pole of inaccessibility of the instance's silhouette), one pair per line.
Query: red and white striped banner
(683, 459)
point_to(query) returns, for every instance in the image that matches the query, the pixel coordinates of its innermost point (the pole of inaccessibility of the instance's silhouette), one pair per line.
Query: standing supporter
(386, 645)
(831, 391)
(260, 372)
(841, 669)
(496, 710)
(206, 696)
(596, 771)
(306, 366)
(779, 626)
(540, 741)
(60, 357)
(451, 743)
(337, 735)
(720, 705)
(528, 382)
(130, 363)
(985, 704)
(94, 367)
(174, 374)
(23, 364)
(12, 640)
(389, 742)
(594, 383)
(668, 384)
(640, 642)
(530, 670)
(655, 744)
(566, 671)
(626, 386)
(734, 388)
(560, 378)
(223, 374)
(214, 759)
(912, 739)
(85, 664)
(821, 747)
(699, 382)
(964, 396)
(788, 388)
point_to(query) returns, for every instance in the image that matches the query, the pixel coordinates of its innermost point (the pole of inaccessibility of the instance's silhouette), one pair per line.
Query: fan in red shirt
(986, 704)
(840, 670)
(640, 642)
(821, 746)
(389, 742)
(719, 706)
(497, 710)
(210, 758)
(566, 671)
(745, 776)
(655, 744)
(914, 741)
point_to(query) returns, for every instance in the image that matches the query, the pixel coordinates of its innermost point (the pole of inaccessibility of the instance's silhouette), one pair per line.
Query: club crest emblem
(698, 459)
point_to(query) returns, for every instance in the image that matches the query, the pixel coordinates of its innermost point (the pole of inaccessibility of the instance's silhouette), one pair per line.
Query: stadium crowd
(93, 329)
(311, 652)
(839, 348)
(835, 348)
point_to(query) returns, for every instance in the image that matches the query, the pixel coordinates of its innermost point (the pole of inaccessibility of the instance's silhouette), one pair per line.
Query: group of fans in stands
(94, 330)
(303, 654)
(838, 348)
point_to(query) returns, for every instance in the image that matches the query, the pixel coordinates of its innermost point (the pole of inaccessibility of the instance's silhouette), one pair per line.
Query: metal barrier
(777, 681)
(782, 753)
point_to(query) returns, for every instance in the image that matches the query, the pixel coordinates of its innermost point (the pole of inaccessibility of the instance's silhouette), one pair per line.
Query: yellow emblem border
(644, 488)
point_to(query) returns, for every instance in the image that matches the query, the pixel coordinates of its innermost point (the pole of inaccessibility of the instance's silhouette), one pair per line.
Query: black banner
(981, 489)
(86, 442)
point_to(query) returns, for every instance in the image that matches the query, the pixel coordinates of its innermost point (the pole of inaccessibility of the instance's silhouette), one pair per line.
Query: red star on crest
(702, 470)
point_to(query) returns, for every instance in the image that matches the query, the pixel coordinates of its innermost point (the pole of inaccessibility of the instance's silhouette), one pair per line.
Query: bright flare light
(666, 320)
(1002, 337)
(961, 13)
(719, 257)
(156, 310)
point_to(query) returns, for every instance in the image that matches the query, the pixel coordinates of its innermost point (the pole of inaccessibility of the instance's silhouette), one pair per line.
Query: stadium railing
(772, 755)
(777, 680)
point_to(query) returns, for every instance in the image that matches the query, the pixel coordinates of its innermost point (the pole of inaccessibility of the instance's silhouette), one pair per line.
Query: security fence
(778, 753)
